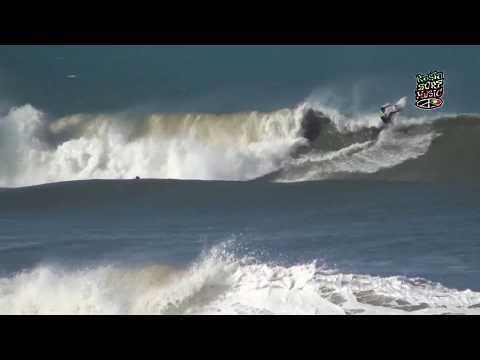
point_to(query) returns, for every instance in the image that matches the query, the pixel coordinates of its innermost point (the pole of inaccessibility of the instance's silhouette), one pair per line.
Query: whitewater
(35, 149)
(219, 283)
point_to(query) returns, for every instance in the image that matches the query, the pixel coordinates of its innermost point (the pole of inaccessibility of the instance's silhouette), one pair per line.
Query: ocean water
(266, 185)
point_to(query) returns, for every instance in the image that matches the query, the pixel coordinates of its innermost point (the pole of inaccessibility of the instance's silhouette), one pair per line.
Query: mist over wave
(309, 142)
(184, 146)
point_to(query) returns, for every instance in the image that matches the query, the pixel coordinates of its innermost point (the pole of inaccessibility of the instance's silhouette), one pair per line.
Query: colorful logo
(429, 90)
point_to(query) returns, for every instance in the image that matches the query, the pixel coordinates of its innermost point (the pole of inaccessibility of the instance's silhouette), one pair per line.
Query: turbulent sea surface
(297, 205)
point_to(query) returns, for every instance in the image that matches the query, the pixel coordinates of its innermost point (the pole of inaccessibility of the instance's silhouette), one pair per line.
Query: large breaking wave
(221, 283)
(309, 142)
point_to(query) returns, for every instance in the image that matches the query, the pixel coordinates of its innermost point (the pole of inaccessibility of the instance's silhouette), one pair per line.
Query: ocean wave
(309, 142)
(221, 283)
(34, 150)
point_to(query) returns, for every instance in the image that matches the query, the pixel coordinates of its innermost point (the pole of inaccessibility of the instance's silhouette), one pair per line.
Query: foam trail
(369, 157)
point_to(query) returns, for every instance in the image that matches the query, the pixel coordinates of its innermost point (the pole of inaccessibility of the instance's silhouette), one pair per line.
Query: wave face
(220, 283)
(310, 142)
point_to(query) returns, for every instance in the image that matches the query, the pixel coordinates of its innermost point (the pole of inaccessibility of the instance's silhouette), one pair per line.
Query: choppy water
(290, 203)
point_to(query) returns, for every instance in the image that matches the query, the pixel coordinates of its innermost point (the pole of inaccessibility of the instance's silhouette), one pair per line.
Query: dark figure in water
(312, 124)
(137, 178)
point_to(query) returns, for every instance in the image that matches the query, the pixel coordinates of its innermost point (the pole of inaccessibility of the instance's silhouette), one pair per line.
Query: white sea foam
(391, 149)
(219, 283)
(190, 146)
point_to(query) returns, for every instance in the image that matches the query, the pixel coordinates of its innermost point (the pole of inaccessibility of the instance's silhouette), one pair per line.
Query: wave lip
(221, 284)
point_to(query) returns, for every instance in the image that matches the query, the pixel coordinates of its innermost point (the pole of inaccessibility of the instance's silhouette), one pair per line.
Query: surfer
(389, 111)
